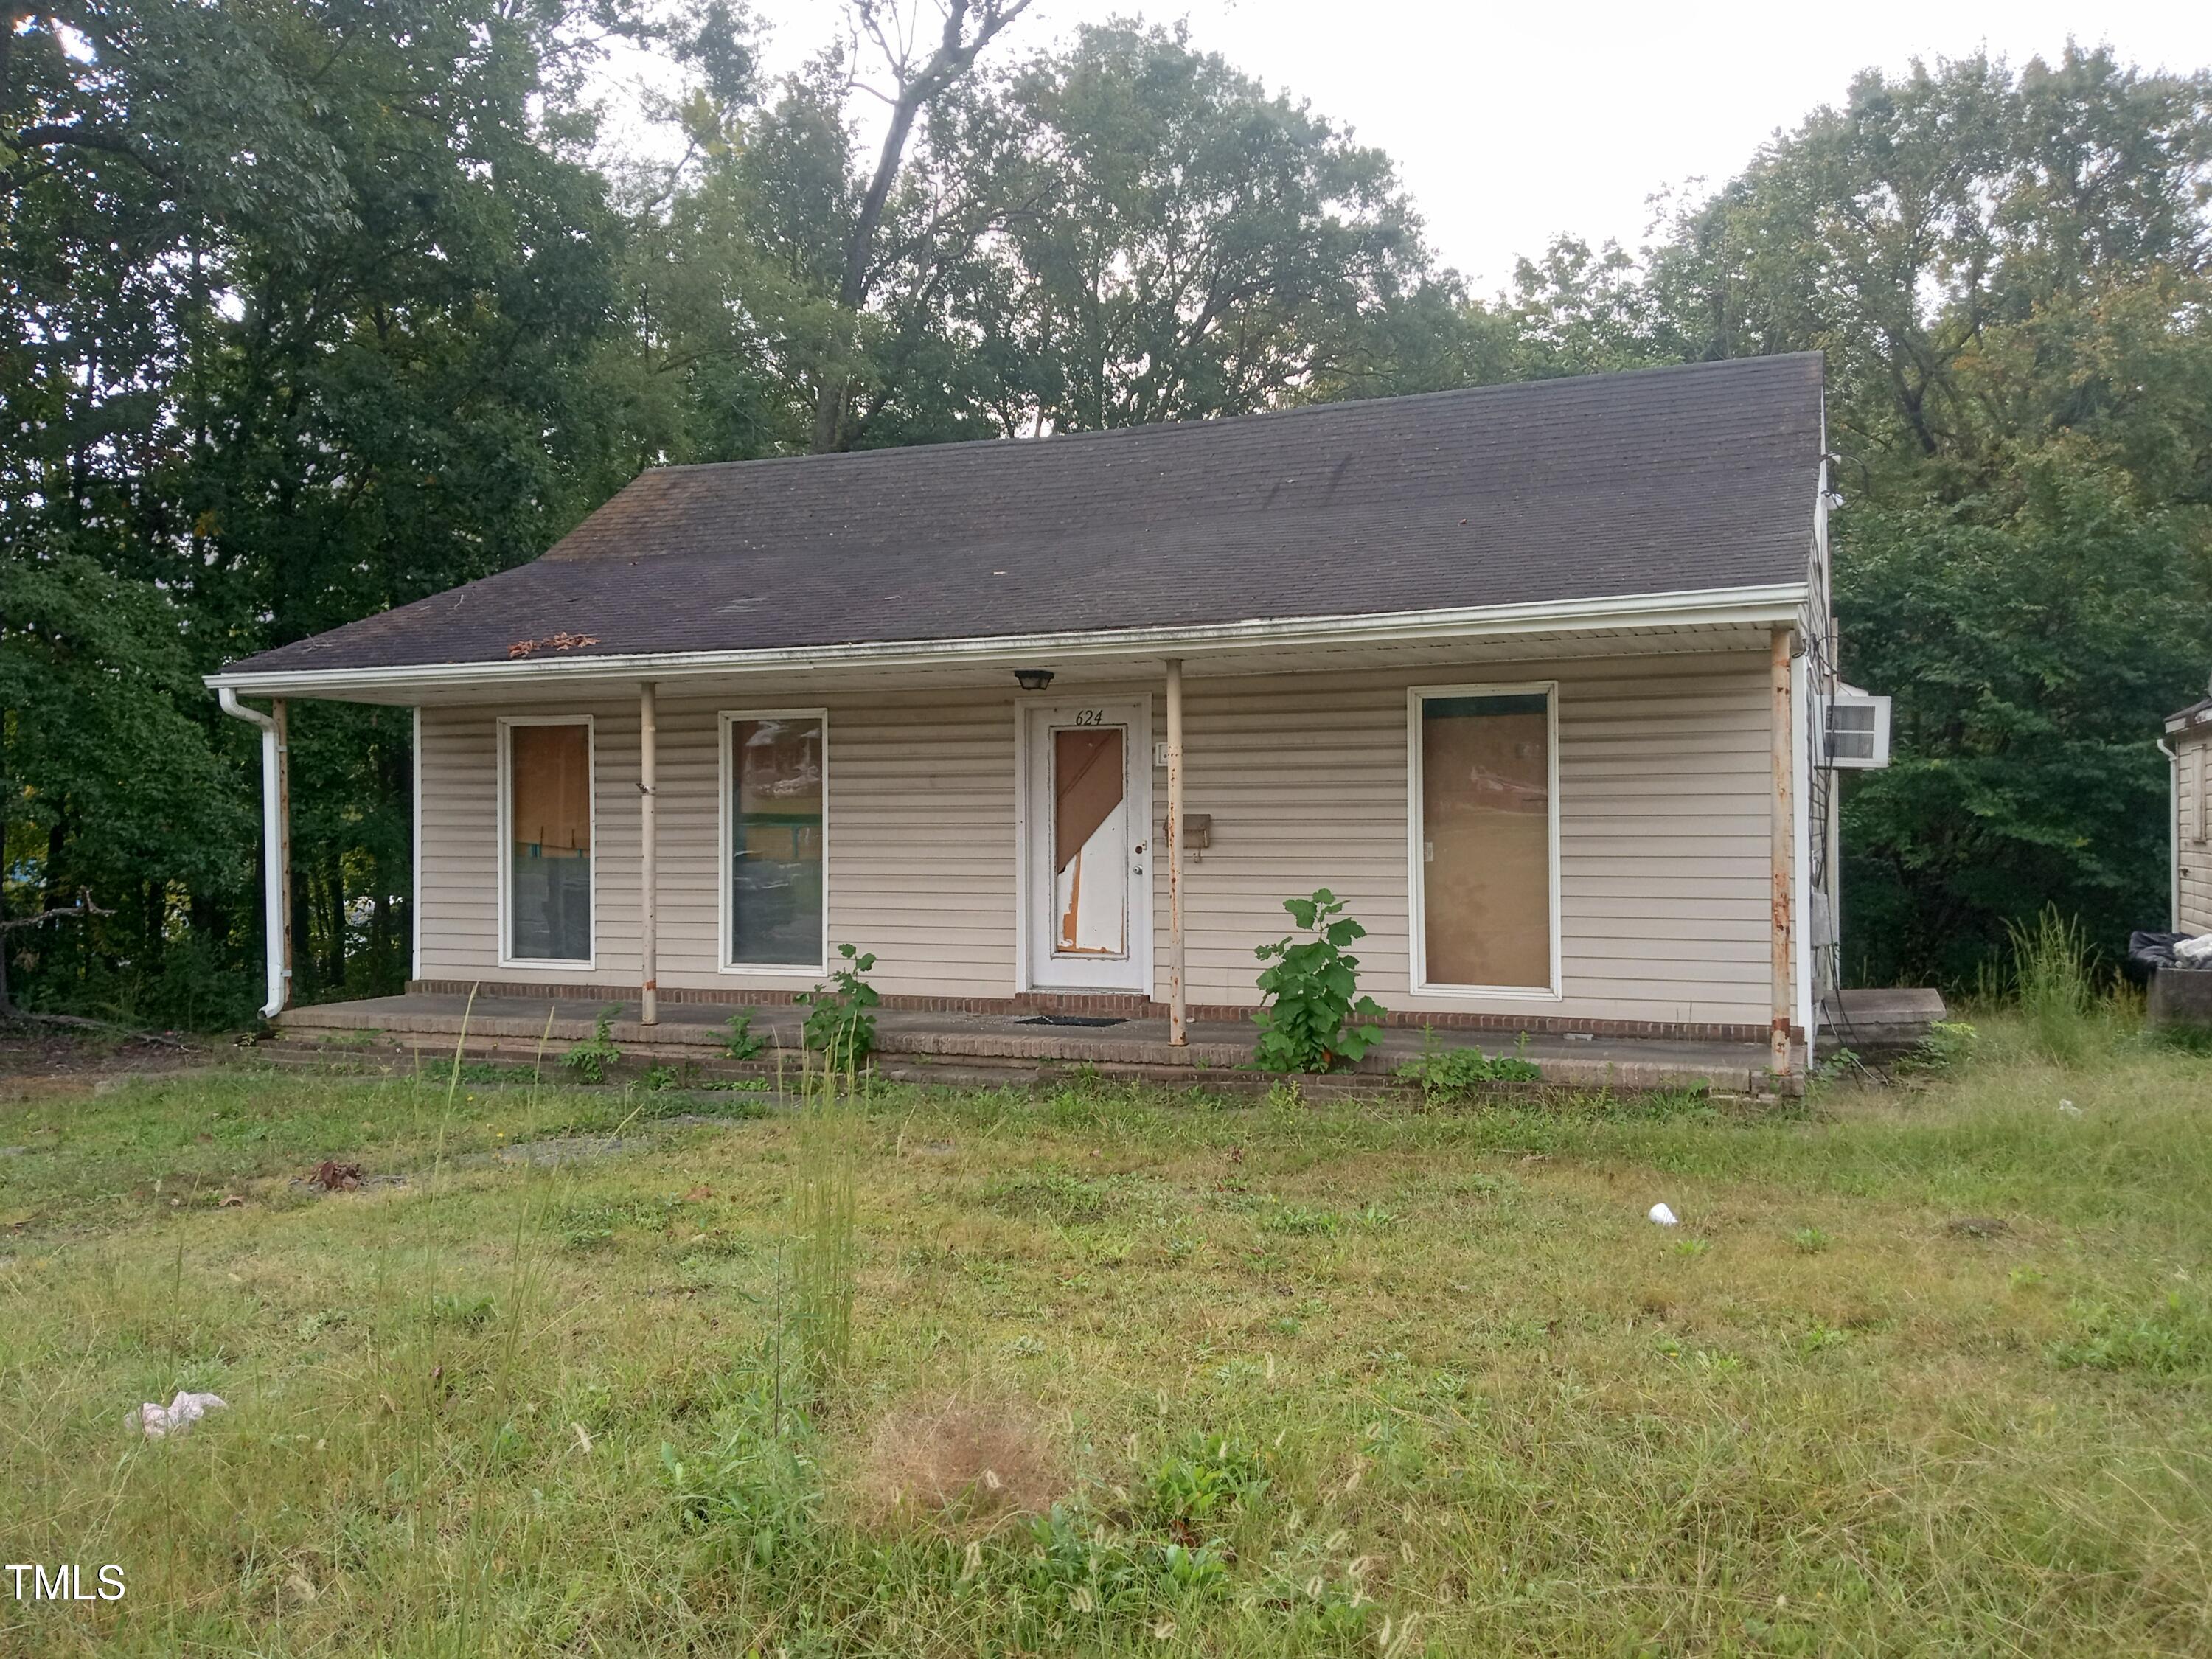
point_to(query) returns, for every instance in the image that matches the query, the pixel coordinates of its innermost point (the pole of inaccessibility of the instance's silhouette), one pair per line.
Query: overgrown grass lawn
(1925, 1369)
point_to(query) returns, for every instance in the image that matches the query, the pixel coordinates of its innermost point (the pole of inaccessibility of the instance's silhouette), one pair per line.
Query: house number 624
(1091, 717)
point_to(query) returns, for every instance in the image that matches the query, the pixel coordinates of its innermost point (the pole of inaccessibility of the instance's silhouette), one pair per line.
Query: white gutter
(273, 896)
(2173, 835)
(1714, 608)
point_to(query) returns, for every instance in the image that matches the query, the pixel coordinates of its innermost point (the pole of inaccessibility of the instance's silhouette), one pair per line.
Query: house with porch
(1536, 676)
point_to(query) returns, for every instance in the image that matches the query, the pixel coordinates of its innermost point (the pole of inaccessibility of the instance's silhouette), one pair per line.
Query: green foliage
(1310, 993)
(1455, 1074)
(1196, 1491)
(739, 1040)
(1948, 1043)
(299, 311)
(590, 1060)
(2173, 1340)
(838, 1025)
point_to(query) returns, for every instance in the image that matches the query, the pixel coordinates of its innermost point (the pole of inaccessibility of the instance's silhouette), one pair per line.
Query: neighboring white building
(2189, 742)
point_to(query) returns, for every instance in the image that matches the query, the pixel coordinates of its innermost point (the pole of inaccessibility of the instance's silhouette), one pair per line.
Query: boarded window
(1486, 840)
(1090, 841)
(549, 816)
(776, 842)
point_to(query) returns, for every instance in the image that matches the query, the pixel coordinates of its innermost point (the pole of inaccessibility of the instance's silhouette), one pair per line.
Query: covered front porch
(425, 1030)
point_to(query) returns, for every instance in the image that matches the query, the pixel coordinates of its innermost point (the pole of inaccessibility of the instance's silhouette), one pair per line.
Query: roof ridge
(1215, 423)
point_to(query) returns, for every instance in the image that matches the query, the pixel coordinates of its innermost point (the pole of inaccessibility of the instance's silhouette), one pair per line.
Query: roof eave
(1776, 605)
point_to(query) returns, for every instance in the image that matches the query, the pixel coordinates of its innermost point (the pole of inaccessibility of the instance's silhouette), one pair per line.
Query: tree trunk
(954, 56)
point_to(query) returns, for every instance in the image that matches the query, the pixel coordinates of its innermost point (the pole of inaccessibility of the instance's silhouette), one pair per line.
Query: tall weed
(2055, 979)
(825, 1254)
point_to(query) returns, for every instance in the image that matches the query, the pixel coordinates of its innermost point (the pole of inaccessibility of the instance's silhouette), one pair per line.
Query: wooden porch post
(1780, 862)
(1177, 1034)
(648, 829)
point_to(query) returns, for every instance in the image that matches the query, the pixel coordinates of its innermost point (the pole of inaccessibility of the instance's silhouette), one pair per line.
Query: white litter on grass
(2068, 1108)
(1663, 1216)
(155, 1421)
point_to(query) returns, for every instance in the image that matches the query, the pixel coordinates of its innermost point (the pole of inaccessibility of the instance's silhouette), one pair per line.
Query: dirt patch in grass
(961, 1468)
(37, 1064)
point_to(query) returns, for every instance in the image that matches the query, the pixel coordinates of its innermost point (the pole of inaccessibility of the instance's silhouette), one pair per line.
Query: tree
(302, 319)
(2007, 273)
(1192, 244)
(918, 79)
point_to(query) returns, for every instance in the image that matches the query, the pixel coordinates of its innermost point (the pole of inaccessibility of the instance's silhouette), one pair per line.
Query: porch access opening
(1071, 1019)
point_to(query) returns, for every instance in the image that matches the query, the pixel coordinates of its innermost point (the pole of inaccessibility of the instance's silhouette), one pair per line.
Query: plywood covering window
(1486, 843)
(1090, 842)
(548, 840)
(775, 813)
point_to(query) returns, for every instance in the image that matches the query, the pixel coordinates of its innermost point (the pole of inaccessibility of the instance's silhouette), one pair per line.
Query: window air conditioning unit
(1859, 729)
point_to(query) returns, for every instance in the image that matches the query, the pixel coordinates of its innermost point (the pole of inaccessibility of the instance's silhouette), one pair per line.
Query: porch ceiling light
(1033, 679)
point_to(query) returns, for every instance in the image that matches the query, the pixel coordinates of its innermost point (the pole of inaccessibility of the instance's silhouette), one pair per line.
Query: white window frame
(725, 889)
(1417, 918)
(2203, 750)
(506, 725)
(1846, 696)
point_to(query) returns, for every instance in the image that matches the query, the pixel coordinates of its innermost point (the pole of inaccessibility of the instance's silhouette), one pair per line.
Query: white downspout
(274, 897)
(1178, 1031)
(2174, 834)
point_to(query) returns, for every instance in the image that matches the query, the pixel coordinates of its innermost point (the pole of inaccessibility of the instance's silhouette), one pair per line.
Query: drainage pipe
(275, 849)
(1782, 860)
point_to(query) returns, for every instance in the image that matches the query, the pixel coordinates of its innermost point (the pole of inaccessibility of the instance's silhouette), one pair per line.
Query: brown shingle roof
(1663, 481)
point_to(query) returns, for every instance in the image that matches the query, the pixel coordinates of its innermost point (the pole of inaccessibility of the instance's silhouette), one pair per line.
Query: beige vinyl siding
(2195, 853)
(920, 835)
(1664, 843)
(1663, 832)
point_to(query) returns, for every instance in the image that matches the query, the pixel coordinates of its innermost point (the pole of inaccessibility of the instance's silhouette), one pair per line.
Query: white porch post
(284, 838)
(1782, 863)
(275, 849)
(1177, 1034)
(648, 823)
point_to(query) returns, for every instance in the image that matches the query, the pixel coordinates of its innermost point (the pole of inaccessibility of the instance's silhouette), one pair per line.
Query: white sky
(1509, 125)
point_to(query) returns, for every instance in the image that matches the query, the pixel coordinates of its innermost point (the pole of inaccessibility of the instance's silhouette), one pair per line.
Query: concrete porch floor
(916, 1045)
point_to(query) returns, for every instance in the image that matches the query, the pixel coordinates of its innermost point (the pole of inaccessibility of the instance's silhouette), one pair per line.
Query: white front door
(1088, 814)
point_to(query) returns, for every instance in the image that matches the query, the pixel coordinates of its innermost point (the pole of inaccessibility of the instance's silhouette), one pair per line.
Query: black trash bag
(2148, 952)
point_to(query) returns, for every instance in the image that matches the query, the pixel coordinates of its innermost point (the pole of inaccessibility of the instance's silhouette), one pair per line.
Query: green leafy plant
(839, 1026)
(590, 1061)
(1949, 1043)
(1311, 993)
(1196, 1491)
(2173, 1338)
(1451, 1074)
(739, 1040)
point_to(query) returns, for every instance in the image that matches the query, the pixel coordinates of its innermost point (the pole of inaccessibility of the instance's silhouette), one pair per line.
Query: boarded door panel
(1089, 825)
(1486, 840)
